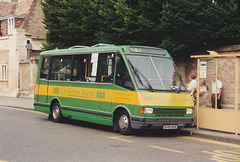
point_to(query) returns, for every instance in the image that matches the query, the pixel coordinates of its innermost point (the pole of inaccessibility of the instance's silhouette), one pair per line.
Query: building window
(11, 25)
(3, 72)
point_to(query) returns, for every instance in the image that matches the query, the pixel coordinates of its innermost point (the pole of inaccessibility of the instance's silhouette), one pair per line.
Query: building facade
(21, 36)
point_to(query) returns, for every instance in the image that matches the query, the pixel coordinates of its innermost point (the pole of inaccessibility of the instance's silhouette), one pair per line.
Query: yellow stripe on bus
(117, 96)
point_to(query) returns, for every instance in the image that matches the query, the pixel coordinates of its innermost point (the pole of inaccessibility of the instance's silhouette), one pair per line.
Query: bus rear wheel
(56, 113)
(124, 123)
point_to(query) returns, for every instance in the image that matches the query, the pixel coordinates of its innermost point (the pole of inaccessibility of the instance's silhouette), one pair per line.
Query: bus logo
(55, 90)
(100, 95)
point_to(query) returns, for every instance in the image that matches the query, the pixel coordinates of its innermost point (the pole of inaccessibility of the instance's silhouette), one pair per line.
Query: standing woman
(202, 92)
(191, 87)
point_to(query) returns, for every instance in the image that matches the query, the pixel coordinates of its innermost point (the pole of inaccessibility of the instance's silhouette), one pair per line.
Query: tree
(179, 22)
(119, 22)
(190, 26)
(63, 20)
(180, 26)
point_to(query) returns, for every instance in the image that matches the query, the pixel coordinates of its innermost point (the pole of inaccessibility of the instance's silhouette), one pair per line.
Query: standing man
(218, 91)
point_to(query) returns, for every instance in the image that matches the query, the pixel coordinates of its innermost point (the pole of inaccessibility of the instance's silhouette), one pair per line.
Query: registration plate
(170, 127)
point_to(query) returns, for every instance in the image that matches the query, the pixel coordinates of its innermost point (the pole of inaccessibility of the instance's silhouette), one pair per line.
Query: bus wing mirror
(180, 84)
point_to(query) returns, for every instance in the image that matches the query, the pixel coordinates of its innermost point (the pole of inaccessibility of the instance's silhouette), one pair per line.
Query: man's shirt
(219, 86)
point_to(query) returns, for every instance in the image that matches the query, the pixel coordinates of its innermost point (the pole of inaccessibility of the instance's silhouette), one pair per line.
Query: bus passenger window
(80, 72)
(122, 76)
(105, 67)
(45, 68)
(61, 68)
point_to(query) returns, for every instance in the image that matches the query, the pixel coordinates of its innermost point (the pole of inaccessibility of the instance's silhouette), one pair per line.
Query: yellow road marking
(221, 154)
(213, 142)
(217, 160)
(167, 149)
(120, 139)
(224, 155)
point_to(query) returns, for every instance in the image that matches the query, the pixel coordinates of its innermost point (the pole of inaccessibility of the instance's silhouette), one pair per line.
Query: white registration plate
(170, 127)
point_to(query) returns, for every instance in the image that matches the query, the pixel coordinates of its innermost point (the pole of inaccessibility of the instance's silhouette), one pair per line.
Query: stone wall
(27, 76)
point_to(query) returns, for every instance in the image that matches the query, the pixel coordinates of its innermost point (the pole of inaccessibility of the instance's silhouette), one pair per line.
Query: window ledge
(5, 37)
(3, 80)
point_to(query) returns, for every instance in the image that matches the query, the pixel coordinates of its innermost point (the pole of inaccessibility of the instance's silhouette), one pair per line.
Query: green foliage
(181, 26)
(63, 19)
(189, 26)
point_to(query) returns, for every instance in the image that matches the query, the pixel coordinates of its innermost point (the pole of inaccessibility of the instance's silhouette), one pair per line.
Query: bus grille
(169, 120)
(170, 111)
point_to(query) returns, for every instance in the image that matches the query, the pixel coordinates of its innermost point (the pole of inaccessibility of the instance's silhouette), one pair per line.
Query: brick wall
(4, 28)
(190, 68)
(18, 22)
(226, 74)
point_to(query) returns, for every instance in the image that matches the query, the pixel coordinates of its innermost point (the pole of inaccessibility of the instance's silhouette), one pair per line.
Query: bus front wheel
(56, 113)
(124, 123)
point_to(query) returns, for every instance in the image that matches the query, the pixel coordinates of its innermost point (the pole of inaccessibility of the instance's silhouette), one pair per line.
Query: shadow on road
(140, 133)
(162, 133)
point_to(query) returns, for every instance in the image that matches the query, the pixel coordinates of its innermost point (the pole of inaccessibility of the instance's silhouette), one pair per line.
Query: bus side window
(61, 68)
(122, 76)
(105, 67)
(45, 68)
(80, 67)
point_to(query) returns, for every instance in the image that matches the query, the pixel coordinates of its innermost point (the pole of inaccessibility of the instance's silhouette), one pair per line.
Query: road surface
(27, 135)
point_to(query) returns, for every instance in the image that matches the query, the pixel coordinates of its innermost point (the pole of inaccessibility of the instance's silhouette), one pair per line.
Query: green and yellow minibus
(125, 86)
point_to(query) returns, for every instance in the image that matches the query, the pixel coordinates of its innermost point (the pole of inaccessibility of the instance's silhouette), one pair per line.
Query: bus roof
(101, 48)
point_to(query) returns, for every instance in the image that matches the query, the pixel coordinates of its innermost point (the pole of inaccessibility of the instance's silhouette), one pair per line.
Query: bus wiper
(136, 72)
(146, 80)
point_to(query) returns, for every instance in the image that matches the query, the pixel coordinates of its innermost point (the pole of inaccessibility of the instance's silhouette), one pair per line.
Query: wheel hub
(56, 112)
(123, 122)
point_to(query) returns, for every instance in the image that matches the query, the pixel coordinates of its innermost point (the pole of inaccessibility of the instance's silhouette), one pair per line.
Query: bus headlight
(189, 111)
(146, 110)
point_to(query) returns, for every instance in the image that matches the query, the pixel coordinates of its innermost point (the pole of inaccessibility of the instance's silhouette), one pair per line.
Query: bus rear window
(45, 68)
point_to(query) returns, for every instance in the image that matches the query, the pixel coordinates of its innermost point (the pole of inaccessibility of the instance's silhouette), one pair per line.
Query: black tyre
(124, 123)
(56, 113)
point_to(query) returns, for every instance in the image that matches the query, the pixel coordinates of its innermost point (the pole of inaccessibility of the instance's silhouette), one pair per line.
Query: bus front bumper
(161, 122)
